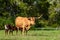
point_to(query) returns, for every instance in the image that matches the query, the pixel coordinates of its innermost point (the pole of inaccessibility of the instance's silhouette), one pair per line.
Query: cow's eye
(28, 19)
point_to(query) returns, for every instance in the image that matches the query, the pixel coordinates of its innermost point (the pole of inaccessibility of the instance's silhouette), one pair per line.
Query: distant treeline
(10, 9)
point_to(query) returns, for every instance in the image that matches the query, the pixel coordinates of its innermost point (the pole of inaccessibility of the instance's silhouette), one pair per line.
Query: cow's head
(32, 20)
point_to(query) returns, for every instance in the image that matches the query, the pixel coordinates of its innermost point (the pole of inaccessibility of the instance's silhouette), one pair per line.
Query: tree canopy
(50, 9)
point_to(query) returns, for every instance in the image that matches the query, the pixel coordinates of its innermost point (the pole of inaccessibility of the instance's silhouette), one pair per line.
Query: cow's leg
(17, 30)
(26, 31)
(23, 29)
(11, 31)
(6, 31)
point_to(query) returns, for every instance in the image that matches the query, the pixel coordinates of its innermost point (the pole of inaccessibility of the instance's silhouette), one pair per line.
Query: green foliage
(10, 9)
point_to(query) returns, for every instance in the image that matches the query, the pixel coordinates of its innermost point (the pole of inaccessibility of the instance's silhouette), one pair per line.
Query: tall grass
(32, 35)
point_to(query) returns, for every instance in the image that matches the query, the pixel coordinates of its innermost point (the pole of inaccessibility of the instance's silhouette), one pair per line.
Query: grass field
(33, 35)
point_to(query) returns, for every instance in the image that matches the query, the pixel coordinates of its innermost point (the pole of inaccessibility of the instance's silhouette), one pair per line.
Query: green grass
(32, 35)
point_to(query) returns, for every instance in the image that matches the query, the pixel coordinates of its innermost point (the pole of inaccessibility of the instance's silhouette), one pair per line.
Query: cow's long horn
(39, 17)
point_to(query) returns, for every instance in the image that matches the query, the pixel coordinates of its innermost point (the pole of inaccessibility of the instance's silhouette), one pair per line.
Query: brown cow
(24, 23)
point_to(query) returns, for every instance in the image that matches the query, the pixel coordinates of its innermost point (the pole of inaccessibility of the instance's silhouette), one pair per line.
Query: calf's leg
(6, 31)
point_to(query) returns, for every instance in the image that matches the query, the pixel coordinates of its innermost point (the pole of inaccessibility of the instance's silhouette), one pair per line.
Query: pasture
(32, 35)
